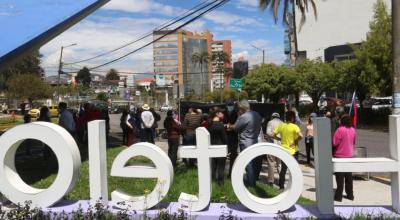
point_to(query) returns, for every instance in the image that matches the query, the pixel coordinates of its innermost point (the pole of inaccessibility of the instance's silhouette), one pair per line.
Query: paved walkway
(366, 192)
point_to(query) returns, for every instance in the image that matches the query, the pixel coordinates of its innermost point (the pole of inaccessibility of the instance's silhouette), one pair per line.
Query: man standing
(147, 119)
(191, 122)
(66, 119)
(248, 126)
(290, 135)
(231, 116)
(271, 160)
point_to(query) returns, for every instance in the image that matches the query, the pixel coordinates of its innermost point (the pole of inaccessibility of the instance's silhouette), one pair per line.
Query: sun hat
(275, 115)
(146, 107)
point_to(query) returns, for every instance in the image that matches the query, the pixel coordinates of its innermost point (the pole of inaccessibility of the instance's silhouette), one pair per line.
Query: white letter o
(65, 149)
(281, 202)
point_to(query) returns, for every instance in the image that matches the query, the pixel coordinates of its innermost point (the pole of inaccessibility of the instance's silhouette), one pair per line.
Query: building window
(172, 51)
(174, 57)
(166, 45)
(161, 70)
(166, 38)
(168, 63)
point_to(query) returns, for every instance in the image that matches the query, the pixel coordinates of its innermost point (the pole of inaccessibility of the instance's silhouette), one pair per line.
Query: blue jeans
(253, 168)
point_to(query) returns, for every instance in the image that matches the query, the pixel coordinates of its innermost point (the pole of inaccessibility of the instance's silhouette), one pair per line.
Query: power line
(162, 26)
(169, 32)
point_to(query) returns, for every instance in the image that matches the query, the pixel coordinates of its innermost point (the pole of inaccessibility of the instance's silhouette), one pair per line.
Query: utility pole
(263, 52)
(60, 65)
(396, 55)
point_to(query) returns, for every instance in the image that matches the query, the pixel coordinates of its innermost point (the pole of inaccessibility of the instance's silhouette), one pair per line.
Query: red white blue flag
(353, 110)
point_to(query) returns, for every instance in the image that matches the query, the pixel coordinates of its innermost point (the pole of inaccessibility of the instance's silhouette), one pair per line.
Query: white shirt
(147, 119)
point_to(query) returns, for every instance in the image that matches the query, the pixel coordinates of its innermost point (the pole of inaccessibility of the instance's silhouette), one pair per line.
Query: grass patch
(185, 180)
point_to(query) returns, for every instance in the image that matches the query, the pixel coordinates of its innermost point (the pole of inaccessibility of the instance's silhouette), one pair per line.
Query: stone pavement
(366, 192)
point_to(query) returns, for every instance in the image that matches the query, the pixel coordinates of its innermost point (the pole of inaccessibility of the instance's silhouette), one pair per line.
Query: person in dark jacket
(230, 117)
(218, 137)
(44, 114)
(124, 127)
(173, 132)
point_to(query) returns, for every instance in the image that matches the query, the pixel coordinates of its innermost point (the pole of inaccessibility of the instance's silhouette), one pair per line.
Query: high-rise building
(173, 61)
(240, 68)
(218, 48)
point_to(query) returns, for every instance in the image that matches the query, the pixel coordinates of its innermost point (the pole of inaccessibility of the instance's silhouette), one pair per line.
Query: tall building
(218, 66)
(173, 63)
(339, 23)
(240, 68)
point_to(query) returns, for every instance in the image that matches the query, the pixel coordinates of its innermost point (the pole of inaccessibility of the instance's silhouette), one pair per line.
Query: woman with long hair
(218, 137)
(44, 114)
(173, 132)
(123, 126)
(309, 139)
(344, 140)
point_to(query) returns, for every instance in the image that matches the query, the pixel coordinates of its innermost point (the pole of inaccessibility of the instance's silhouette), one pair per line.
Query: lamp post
(60, 69)
(262, 50)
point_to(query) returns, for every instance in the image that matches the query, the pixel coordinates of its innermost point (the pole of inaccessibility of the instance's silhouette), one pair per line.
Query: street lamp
(262, 50)
(60, 69)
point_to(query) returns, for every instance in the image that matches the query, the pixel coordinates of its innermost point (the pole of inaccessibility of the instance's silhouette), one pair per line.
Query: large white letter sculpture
(65, 149)
(97, 161)
(326, 165)
(272, 205)
(163, 171)
(203, 152)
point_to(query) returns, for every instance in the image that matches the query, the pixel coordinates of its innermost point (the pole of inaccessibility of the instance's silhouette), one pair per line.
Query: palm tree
(302, 5)
(201, 59)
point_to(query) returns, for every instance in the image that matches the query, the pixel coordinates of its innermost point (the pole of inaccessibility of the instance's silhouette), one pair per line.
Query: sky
(122, 21)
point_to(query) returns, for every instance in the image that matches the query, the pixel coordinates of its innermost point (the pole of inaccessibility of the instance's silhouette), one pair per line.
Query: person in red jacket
(173, 132)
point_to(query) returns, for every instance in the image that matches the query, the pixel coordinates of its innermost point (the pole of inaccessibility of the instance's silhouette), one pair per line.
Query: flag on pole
(353, 110)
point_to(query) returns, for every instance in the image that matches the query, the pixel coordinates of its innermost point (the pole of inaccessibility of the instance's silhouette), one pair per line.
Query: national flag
(353, 110)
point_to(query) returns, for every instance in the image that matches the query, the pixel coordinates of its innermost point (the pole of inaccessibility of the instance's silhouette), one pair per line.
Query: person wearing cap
(309, 139)
(271, 160)
(147, 119)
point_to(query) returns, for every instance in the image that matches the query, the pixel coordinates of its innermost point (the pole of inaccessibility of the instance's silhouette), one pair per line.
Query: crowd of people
(239, 127)
(236, 126)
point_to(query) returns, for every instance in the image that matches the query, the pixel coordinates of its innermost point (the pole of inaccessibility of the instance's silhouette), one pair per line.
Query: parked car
(381, 102)
(35, 112)
(330, 102)
(165, 108)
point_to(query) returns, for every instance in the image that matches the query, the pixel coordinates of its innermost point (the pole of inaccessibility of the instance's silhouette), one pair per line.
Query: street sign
(235, 83)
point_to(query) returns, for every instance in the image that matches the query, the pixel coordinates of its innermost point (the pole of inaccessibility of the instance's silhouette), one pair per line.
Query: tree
(374, 56)
(102, 96)
(318, 77)
(112, 74)
(29, 64)
(201, 59)
(28, 86)
(83, 77)
(267, 80)
(302, 5)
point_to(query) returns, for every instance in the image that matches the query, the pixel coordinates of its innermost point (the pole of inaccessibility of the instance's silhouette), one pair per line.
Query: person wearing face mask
(230, 117)
(218, 137)
(248, 126)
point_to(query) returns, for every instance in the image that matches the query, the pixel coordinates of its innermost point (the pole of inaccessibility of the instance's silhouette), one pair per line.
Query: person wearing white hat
(147, 119)
(271, 160)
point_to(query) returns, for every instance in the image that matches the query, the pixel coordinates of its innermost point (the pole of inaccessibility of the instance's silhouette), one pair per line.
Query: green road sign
(235, 83)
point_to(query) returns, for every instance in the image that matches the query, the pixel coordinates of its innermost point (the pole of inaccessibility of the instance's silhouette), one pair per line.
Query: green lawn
(185, 180)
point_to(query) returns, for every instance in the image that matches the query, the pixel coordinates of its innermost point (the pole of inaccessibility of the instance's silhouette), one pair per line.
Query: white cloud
(93, 38)
(225, 18)
(273, 55)
(141, 6)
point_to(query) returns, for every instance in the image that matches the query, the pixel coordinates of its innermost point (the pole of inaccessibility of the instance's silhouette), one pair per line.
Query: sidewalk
(366, 192)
